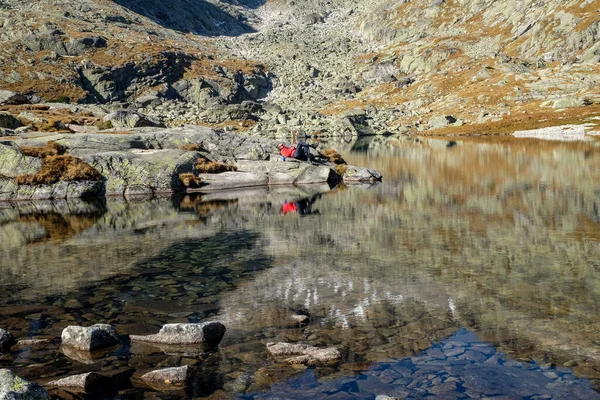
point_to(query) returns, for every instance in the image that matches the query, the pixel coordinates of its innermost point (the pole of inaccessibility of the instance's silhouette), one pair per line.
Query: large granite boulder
(90, 338)
(150, 161)
(13, 387)
(209, 333)
(130, 119)
(142, 171)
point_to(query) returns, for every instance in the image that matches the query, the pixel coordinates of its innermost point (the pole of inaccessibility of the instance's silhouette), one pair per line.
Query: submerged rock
(209, 333)
(13, 387)
(90, 338)
(176, 376)
(303, 353)
(6, 340)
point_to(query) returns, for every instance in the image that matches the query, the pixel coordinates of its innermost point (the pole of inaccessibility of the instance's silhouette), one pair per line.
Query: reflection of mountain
(501, 238)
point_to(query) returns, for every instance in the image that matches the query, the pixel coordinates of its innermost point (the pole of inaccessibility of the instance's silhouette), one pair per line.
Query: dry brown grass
(57, 168)
(341, 169)
(191, 147)
(209, 167)
(190, 180)
(50, 149)
(333, 156)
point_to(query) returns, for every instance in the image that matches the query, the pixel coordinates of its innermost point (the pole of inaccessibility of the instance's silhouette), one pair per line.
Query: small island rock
(90, 338)
(177, 334)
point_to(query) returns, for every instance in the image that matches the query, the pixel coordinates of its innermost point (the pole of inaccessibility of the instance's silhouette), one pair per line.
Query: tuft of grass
(57, 168)
(341, 169)
(50, 149)
(103, 125)
(61, 99)
(190, 180)
(191, 147)
(209, 167)
(334, 156)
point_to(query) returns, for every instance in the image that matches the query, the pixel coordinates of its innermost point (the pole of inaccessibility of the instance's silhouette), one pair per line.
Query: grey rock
(12, 98)
(441, 121)
(570, 102)
(90, 338)
(13, 387)
(186, 334)
(87, 382)
(130, 119)
(176, 376)
(6, 340)
(8, 121)
(357, 174)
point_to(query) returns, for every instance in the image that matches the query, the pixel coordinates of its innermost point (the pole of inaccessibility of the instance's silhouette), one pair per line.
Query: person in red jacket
(299, 152)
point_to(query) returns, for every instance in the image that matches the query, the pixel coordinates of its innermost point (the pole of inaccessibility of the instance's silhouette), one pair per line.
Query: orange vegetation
(60, 168)
(208, 167)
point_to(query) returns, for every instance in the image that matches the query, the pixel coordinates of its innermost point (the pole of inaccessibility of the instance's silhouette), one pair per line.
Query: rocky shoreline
(148, 161)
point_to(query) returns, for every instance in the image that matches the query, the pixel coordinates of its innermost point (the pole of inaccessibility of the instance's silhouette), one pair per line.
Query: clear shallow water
(495, 245)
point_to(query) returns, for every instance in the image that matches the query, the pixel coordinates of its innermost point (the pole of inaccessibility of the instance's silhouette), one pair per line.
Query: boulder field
(148, 161)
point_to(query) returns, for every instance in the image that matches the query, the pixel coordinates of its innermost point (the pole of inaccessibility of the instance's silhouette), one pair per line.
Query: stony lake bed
(468, 272)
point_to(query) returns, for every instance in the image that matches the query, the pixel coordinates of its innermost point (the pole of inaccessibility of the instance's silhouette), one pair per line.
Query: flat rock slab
(176, 376)
(294, 353)
(90, 338)
(13, 387)
(209, 333)
(88, 382)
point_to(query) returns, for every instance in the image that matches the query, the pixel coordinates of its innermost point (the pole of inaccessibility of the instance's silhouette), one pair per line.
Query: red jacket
(288, 208)
(288, 151)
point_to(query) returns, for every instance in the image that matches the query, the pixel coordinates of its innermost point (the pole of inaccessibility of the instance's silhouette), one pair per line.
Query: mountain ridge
(322, 68)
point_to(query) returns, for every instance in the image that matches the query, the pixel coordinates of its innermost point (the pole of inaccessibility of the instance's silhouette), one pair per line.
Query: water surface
(471, 271)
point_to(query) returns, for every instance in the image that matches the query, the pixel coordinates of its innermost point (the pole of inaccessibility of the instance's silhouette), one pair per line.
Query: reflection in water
(500, 238)
(458, 367)
(301, 207)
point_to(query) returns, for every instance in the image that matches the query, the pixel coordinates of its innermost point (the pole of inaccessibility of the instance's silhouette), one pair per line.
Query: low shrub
(333, 156)
(191, 147)
(210, 167)
(341, 169)
(50, 149)
(190, 180)
(60, 168)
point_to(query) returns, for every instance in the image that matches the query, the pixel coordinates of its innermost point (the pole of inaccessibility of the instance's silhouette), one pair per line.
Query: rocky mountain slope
(311, 67)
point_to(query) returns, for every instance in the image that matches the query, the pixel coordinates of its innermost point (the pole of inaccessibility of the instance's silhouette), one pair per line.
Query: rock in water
(209, 333)
(81, 383)
(13, 387)
(6, 340)
(90, 338)
(168, 376)
(303, 353)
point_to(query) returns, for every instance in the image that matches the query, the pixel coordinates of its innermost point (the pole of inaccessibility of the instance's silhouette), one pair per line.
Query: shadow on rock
(199, 17)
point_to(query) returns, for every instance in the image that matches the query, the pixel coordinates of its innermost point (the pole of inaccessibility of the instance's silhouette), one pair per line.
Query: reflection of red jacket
(289, 207)
(287, 151)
